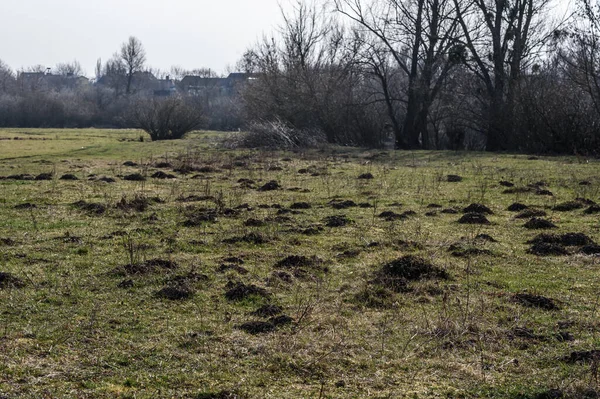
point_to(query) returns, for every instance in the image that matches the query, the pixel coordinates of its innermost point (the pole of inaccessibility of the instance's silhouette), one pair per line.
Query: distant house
(45, 81)
(197, 85)
(165, 87)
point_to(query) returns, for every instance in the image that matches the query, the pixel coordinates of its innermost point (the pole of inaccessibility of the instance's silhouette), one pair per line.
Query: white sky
(188, 33)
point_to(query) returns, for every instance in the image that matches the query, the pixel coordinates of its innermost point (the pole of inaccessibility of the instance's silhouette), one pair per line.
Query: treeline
(435, 74)
(509, 75)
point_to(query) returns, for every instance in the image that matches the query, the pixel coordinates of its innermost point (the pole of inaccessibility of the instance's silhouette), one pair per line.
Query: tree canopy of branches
(133, 57)
(165, 119)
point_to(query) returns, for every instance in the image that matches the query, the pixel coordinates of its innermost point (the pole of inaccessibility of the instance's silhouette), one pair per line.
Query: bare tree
(133, 56)
(7, 78)
(420, 37)
(501, 37)
(69, 68)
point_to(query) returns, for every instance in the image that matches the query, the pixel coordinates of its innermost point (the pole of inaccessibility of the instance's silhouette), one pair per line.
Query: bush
(279, 135)
(165, 119)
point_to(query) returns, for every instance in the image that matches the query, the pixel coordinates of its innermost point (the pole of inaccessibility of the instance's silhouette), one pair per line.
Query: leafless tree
(7, 78)
(420, 39)
(133, 57)
(69, 68)
(501, 36)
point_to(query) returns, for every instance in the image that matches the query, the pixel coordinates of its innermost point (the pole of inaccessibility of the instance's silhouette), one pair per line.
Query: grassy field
(183, 269)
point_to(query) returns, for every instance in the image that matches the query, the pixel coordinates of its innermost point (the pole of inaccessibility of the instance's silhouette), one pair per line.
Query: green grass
(71, 331)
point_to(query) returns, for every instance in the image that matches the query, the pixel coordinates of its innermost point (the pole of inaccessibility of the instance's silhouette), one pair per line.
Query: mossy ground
(82, 326)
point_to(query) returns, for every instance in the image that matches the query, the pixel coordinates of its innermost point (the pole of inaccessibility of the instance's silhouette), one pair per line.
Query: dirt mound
(517, 190)
(26, 205)
(505, 183)
(267, 310)
(530, 213)
(163, 165)
(23, 176)
(90, 207)
(341, 204)
(127, 283)
(130, 163)
(134, 177)
(485, 237)
(205, 216)
(593, 209)
(250, 238)
(366, 176)
(449, 211)
(337, 221)
(539, 224)
(44, 176)
(270, 186)
(9, 242)
(175, 293)
(411, 268)
(257, 327)
(295, 261)
(138, 203)
(232, 266)
(69, 176)
(567, 239)
(162, 175)
(517, 207)
(473, 218)
(478, 208)
(547, 249)
(240, 291)
(389, 215)
(8, 280)
(150, 266)
(541, 191)
(254, 223)
(300, 205)
(466, 252)
(535, 301)
(592, 249)
(568, 206)
(454, 178)
(583, 356)
(107, 179)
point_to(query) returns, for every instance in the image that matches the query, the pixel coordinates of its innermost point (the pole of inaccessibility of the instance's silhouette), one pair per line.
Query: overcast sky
(189, 33)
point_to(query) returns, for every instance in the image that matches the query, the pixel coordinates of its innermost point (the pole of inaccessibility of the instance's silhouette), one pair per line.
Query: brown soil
(342, 204)
(240, 291)
(175, 293)
(107, 179)
(134, 177)
(366, 176)
(254, 223)
(90, 207)
(26, 205)
(230, 266)
(505, 183)
(412, 268)
(300, 205)
(205, 216)
(593, 209)
(337, 221)
(538, 224)
(250, 238)
(530, 213)
(473, 218)
(449, 211)
(583, 356)
(44, 176)
(536, 301)
(8, 280)
(130, 163)
(162, 175)
(547, 249)
(568, 206)
(517, 207)
(567, 239)
(592, 249)
(478, 208)
(295, 261)
(267, 310)
(454, 178)
(270, 186)
(69, 176)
